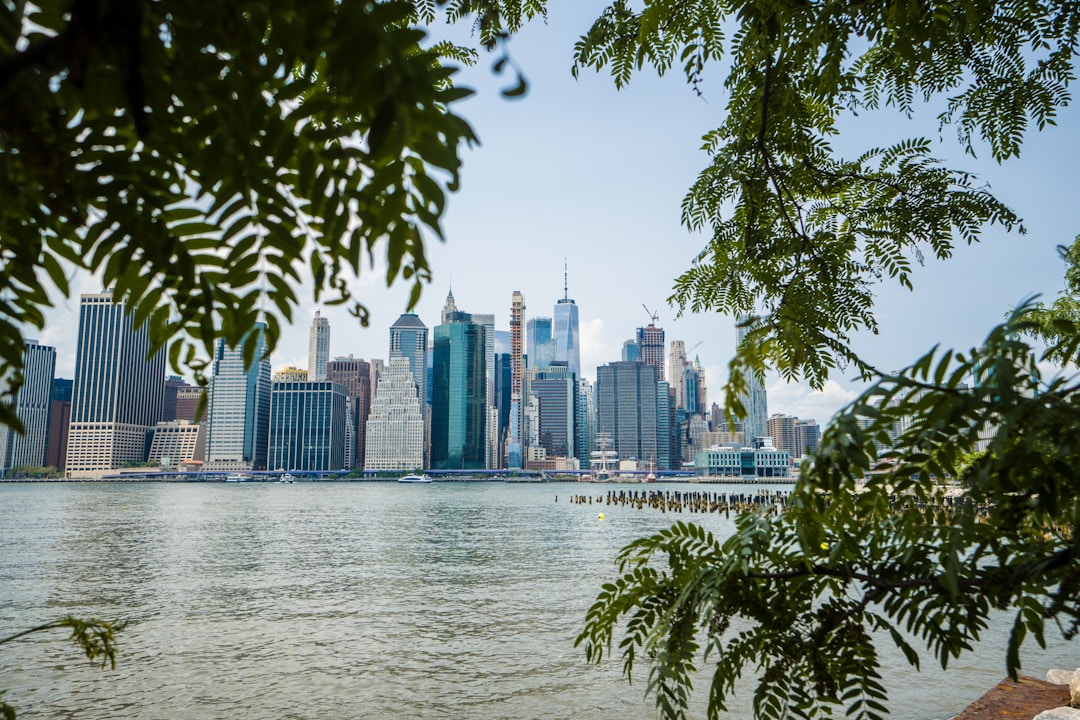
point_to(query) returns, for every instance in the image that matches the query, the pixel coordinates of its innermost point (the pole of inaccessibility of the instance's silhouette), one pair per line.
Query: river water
(346, 600)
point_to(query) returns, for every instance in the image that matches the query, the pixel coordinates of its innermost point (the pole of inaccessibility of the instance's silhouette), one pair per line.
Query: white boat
(287, 478)
(235, 477)
(414, 479)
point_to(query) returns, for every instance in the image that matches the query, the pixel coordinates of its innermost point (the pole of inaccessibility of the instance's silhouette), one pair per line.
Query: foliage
(33, 471)
(204, 158)
(1054, 323)
(96, 638)
(869, 550)
(800, 235)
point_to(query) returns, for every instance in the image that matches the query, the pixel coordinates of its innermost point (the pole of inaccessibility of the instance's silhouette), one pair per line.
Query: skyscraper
(409, 339)
(354, 375)
(307, 426)
(539, 343)
(318, 347)
(458, 407)
(59, 422)
(555, 390)
(238, 417)
(394, 439)
(628, 411)
(567, 334)
(651, 341)
(118, 392)
(514, 457)
(677, 362)
(32, 402)
(754, 399)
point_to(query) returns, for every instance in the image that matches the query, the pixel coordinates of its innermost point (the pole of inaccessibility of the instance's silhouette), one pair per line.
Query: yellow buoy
(600, 516)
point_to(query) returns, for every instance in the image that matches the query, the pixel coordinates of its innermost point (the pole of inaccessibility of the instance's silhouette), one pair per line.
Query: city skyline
(602, 194)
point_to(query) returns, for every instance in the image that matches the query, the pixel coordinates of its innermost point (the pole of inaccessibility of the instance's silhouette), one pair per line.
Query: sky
(581, 173)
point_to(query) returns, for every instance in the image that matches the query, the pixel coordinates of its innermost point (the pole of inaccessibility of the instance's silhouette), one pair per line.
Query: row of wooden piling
(691, 502)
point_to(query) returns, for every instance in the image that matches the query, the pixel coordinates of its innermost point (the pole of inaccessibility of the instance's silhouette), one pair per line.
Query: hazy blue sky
(580, 171)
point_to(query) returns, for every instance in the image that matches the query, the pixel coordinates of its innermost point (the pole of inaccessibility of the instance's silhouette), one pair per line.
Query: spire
(565, 287)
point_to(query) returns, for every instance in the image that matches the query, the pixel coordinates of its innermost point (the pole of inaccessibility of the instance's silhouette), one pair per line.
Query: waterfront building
(177, 442)
(676, 366)
(318, 347)
(784, 430)
(626, 409)
(809, 435)
(650, 340)
(754, 400)
(747, 464)
(514, 456)
(187, 403)
(555, 390)
(566, 331)
(307, 426)
(238, 415)
(59, 420)
(409, 339)
(539, 342)
(394, 436)
(586, 422)
(354, 374)
(458, 389)
(290, 373)
(32, 403)
(118, 392)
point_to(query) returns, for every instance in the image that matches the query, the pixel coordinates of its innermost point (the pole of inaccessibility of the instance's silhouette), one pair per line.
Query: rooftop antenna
(565, 289)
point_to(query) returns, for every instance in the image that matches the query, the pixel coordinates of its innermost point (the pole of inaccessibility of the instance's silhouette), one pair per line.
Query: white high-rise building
(395, 426)
(118, 393)
(676, 367)
(754, 425)
(32, 403)
(318, 348)
(239, 412)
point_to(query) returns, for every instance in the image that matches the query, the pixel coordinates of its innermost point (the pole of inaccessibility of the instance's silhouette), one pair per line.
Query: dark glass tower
(458, 409)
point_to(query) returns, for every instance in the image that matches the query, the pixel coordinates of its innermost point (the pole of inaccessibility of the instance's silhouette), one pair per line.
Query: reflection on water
(332, 601)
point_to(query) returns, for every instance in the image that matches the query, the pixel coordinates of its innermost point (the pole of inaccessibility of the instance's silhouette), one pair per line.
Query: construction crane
(694, 348)
(655, 317)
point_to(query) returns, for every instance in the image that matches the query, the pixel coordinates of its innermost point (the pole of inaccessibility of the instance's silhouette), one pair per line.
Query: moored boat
(414, 479)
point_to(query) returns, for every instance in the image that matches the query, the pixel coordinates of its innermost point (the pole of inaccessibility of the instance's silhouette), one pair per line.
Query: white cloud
(596, 350)
(799, 400)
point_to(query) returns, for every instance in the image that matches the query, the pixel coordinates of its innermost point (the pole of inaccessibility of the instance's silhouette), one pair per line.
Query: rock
(1061, 713)
(1074, 689)
(1060, 677)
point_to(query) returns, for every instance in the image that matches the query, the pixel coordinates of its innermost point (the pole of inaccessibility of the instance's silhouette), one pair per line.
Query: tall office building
(754, 400)
(318, 347)
(32, 404)
(173, 383)
(691, 387)
(514, 456)
(118, 391)
(354, 375)
(651, 341)
(784, 430)
(627, 410)
(567, 334)
(809, 435)
(586, 422)
(59, 421)
(631, 351)
(307, 426)
(409, 339)
(676, 364)
(487, 321)
(188, 398)
(394, 437)
(539, 343)
(449, 307)
(555, 390)
(239, 407)
(702, 389)
(458, 407)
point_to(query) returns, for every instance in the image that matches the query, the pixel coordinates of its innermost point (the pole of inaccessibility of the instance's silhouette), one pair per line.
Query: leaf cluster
(204, 159)
(869, 549)
(799, 235)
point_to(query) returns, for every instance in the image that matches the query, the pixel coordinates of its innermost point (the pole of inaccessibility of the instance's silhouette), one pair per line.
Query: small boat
(414, 479)
(650, 478)
(235, 477)
(287, 478)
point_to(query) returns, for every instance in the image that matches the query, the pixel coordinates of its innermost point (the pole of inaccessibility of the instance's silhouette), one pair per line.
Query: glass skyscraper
(118, 392)
(539, 343)
(239, 407)
(409, 339)
(318, 347)
(307, 426)
(458, 407)
(555, 390)
(754, 400)
(628, 410)
(32, 402)
(567, 335)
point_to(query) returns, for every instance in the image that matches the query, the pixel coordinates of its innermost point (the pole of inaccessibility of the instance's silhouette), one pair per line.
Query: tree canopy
(205, 158)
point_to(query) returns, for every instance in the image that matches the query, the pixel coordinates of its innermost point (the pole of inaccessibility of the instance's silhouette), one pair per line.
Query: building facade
(555, 390)
(318, 347)
(59, 421)
(178, 441)
(409, 339)
(354, 375)
(650, 340)
(307, 427)
(627, 410)
(118, 392)
(394, 435)
(754, 399)
(539, 342)
(766, 463)
(239, 407)
(33, 405)
(458, 395)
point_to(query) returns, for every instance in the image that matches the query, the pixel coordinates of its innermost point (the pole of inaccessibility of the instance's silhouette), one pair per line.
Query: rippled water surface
(351, 600)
